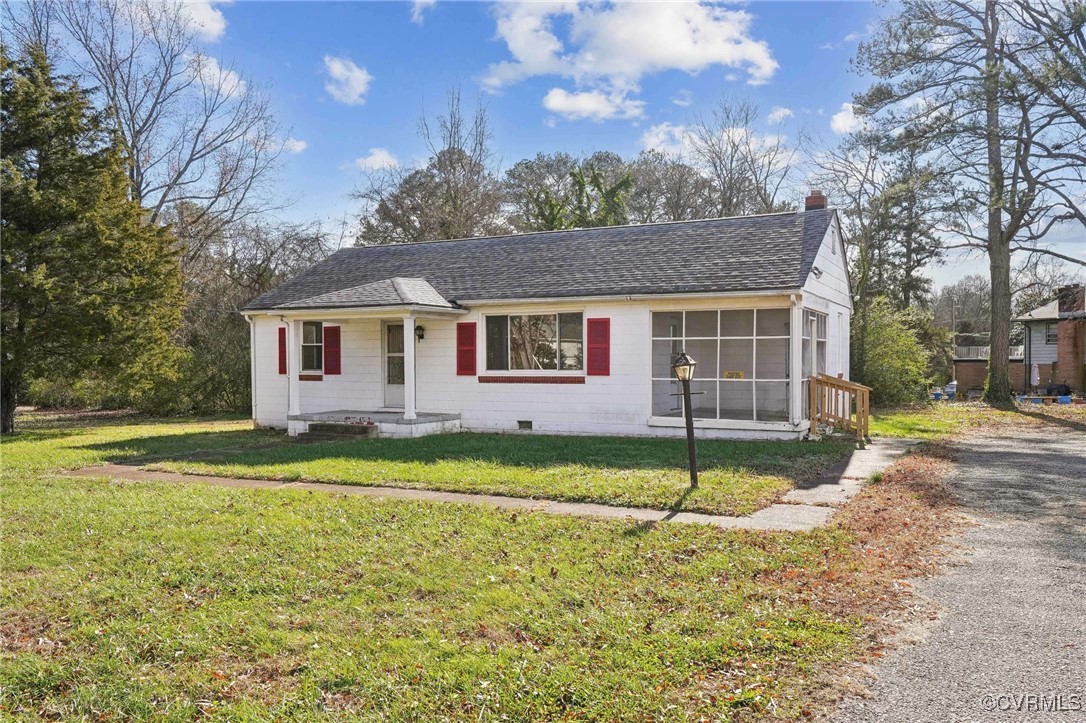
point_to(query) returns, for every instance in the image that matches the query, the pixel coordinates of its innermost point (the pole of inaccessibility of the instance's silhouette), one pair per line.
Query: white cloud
(594, 105)
(347, 82)
(779, 113)
(207, 20)
(375, 160)
(845, 120)
(419, 8)
(293, 145)
(683, 99)
(607, 48)
(852, 37)
(666, 138)
(212, 75)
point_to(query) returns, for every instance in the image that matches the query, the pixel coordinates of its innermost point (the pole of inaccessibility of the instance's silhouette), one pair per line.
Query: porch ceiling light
(683, 366)
(420, 332)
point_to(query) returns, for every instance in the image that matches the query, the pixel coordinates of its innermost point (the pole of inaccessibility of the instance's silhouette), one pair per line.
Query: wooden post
(812, 407)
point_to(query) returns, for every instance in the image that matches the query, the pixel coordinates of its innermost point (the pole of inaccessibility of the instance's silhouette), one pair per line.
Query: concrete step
(334, 429)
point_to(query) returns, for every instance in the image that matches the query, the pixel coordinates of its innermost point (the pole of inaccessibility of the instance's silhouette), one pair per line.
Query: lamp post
(683, 366)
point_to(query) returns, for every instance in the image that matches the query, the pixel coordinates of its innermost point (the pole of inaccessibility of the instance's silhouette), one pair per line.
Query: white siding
(270, 397)
(616, 404)
(1039, 352)
(831, 295)
(357, 387)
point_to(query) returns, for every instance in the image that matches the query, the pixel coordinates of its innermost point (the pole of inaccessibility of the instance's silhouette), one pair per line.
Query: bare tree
(197, 132)
(667, 188)
(30, 23)
(855, 175)
(750, 173)
(1047, 47)
(457, 193)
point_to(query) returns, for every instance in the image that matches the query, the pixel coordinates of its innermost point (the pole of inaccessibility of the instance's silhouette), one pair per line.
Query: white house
(562, 331)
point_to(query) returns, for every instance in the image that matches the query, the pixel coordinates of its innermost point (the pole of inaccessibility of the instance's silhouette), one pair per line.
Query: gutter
(327, 311)
(629, 297)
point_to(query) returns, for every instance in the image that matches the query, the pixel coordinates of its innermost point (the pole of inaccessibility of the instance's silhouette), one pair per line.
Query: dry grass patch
(899, 529)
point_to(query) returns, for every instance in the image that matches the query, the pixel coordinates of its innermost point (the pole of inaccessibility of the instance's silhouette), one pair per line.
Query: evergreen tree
(87, 283)
(592, 202)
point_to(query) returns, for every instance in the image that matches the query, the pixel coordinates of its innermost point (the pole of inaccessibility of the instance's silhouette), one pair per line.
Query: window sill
(310, 377)
(722, 424)
(532, 379)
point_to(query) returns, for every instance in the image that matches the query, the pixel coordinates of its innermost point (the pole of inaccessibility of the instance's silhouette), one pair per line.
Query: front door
(394, 366)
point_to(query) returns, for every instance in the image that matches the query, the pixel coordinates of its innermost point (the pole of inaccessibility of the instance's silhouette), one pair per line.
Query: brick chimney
(1071, 298)
(815, 202)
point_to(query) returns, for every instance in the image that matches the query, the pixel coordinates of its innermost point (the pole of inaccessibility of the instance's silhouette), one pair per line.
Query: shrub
(888, 356)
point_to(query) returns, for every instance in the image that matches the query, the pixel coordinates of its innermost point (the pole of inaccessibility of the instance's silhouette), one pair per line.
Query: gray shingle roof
(746, 253)
(387, 292)
(1049, 311)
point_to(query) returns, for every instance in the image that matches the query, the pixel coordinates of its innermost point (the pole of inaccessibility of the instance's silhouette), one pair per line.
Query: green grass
(153, 600)
(735, 478)
(46, 444)
(947, 419)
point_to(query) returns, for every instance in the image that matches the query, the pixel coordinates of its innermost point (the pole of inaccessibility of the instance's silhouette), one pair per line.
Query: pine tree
(87, 283)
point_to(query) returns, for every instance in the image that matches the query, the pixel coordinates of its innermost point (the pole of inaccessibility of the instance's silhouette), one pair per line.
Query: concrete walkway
(1010, 641)
(800, 510)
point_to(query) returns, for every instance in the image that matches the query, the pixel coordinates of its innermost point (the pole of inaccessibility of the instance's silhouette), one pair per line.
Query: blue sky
(350, 79)
(405, 66)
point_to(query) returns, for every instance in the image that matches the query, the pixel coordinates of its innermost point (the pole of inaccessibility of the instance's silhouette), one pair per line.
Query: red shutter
(282, 350)
(599, 347)
(465, 348)
(331, 350)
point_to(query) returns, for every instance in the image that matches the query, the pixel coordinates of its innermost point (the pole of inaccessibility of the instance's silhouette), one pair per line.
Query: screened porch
(744, 362)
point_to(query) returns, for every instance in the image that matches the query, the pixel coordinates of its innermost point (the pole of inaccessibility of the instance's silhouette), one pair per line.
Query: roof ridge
(799, 214)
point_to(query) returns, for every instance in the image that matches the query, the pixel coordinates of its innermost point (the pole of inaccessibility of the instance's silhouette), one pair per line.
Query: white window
(814, 349)
(1051, 333)
(814, 331)
(312, 346)
(742, 363)
(525, 342)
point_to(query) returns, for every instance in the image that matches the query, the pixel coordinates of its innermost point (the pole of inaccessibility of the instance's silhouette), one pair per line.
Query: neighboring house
(562, 331)
(1054, 342)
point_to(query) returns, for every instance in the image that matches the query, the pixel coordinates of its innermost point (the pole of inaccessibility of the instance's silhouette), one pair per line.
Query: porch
(386, 423)
(350, 358)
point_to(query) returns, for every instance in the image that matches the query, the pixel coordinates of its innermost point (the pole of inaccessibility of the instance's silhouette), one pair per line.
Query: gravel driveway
(1013, 605)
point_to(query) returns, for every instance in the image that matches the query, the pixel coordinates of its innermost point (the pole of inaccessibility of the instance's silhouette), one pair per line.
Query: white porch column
(795, 360)
(409, 367)
(294, 365)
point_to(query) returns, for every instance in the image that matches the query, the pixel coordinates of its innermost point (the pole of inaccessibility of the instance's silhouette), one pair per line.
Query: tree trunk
(998, 389)
(8, 387)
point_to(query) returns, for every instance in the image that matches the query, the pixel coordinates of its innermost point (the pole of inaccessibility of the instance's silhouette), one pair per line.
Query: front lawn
(736, 478)
(144, 600)
(941, 420)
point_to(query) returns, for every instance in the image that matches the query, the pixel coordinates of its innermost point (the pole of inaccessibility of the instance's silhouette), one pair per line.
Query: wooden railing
(841, 404)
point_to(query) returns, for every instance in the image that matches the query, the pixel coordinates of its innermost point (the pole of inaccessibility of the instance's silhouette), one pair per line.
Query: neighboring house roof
(387, 292)
(1048, 312)
(745, 253)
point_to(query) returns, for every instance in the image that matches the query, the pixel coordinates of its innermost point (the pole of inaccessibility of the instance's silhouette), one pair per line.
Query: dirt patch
(24, 632)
